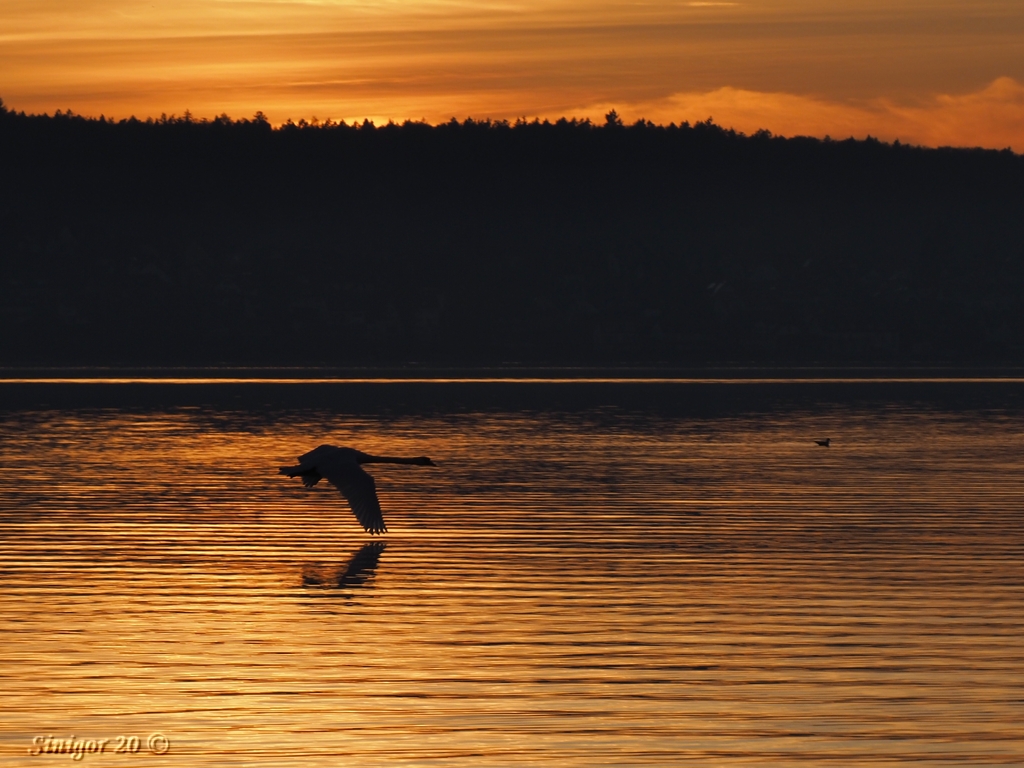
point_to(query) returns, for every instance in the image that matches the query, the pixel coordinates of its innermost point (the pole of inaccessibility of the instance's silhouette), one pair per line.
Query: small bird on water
(824, 443)
(341, 468)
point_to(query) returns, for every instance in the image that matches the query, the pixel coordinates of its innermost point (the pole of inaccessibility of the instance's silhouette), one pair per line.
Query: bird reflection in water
(357, 573)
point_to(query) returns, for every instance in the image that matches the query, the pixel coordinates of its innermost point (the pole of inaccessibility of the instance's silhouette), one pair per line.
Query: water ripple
(613, 587)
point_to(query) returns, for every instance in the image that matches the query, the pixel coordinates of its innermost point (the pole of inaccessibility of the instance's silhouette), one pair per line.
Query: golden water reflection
(571, 588)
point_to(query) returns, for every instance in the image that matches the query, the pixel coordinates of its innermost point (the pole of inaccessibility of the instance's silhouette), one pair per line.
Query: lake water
(594, 574)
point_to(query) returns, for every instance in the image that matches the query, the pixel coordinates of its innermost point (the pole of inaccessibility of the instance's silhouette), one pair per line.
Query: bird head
(423, 461)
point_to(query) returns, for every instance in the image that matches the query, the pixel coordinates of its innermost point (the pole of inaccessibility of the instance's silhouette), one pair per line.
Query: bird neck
(368, 459)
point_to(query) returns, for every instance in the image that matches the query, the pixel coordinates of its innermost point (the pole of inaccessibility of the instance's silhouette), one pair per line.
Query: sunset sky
(933, 72)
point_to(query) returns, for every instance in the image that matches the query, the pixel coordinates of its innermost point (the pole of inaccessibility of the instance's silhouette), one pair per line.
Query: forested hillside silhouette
(192, 242)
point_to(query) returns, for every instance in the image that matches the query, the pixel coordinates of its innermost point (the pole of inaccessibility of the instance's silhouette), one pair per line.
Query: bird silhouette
(341, 468)
(824, 443)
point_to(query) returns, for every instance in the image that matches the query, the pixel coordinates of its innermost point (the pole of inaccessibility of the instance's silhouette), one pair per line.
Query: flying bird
(341, 468)
(824, 443)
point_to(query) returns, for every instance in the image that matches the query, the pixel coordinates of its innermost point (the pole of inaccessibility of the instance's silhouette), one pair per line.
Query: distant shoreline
(500, 374)
(480, 246)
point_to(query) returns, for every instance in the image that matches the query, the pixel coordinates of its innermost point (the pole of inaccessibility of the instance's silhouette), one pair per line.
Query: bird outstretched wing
(360, 491)
(307, 472)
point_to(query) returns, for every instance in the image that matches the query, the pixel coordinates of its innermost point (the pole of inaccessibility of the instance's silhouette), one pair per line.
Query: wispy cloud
(791, 66)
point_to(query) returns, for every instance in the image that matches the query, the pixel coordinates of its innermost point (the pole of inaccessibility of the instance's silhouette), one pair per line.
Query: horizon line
(612, 122)
(156, 380)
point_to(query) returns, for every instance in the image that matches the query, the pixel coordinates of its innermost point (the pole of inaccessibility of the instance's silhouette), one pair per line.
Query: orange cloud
(992, 117)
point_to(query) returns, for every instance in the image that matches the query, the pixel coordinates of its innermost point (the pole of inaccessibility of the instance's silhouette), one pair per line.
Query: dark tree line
(191, 242)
